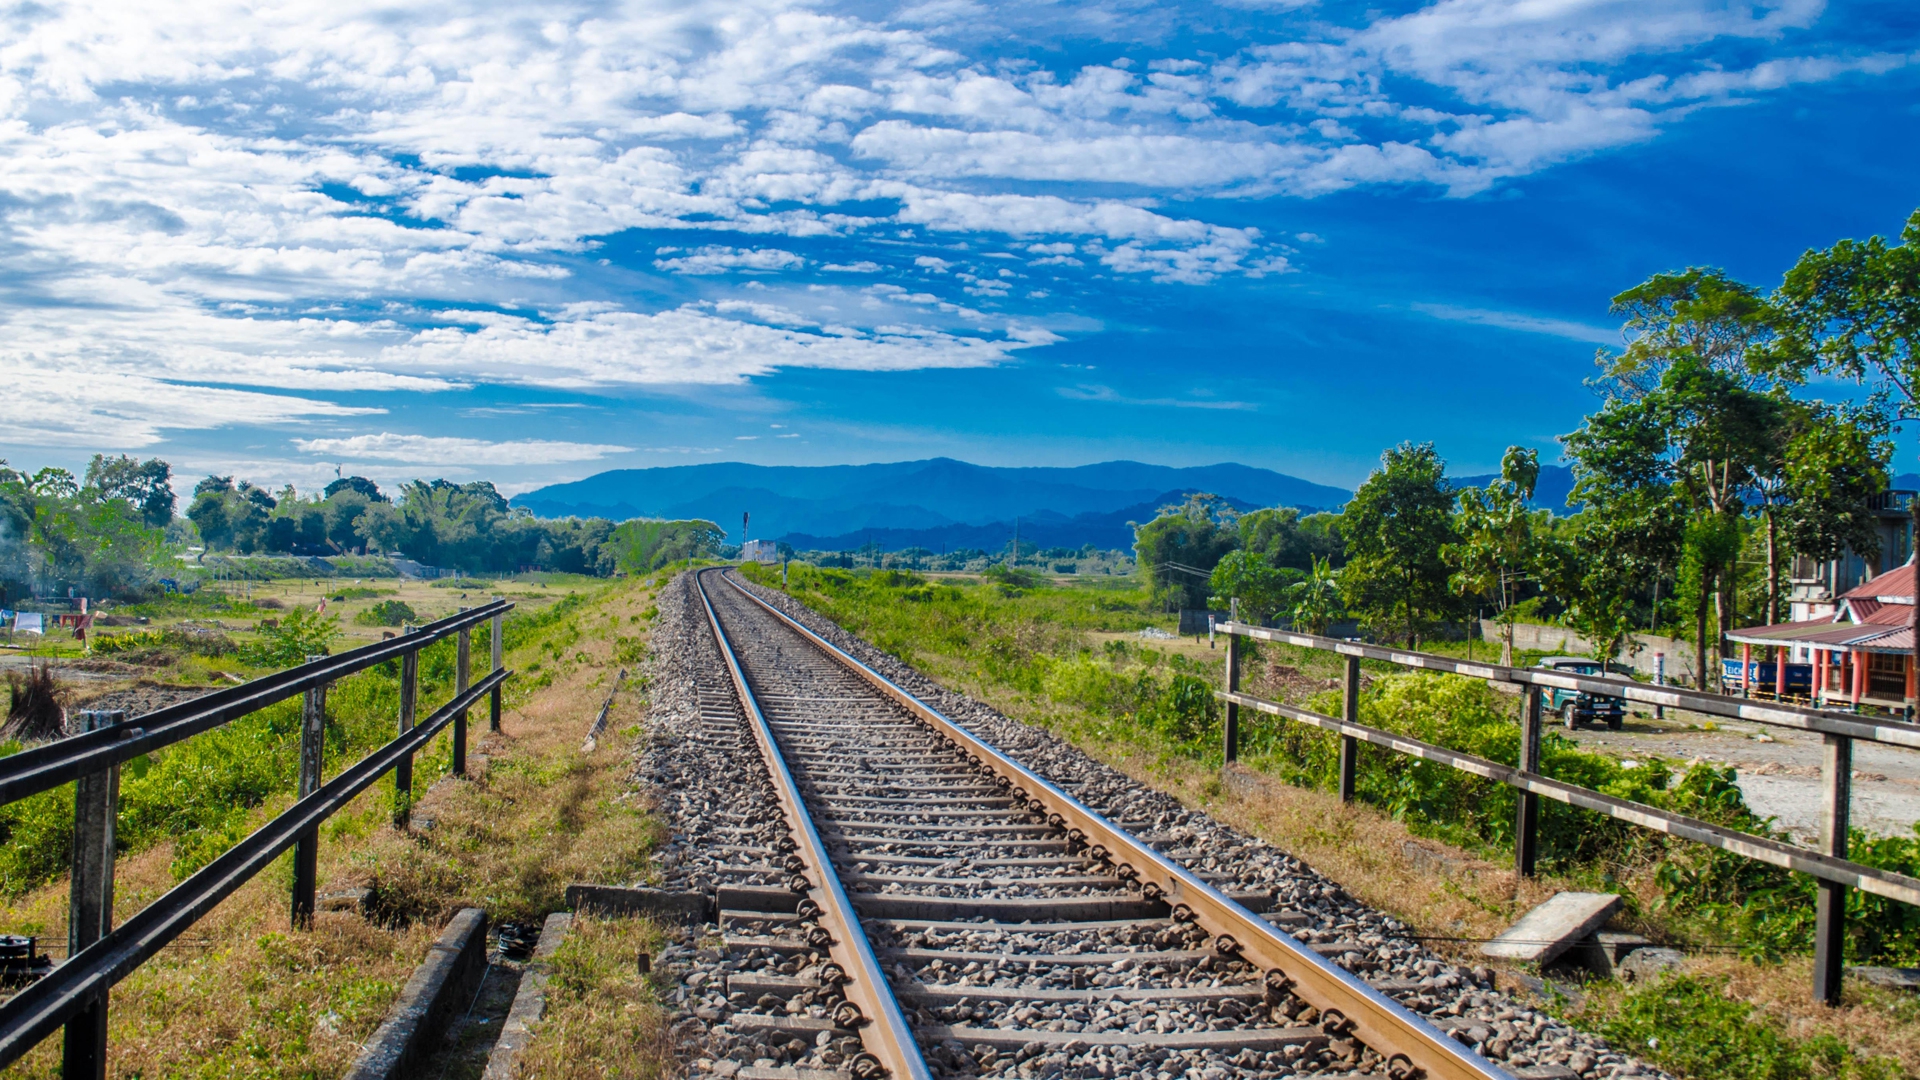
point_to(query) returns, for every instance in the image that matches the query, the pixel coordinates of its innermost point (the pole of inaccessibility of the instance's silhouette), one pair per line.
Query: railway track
(923, 905)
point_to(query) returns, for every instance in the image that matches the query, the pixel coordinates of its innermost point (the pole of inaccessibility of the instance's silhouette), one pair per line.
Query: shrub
(301, 634)
(387, 613)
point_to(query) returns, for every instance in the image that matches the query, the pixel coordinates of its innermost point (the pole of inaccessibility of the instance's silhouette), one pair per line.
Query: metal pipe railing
(1829, 865)
(100, 955)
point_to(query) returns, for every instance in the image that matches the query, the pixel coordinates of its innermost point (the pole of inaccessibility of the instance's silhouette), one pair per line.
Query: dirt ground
(1779, 768)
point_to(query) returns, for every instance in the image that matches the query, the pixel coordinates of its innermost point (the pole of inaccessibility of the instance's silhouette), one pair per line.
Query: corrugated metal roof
(1868, 637)
(1897, 582)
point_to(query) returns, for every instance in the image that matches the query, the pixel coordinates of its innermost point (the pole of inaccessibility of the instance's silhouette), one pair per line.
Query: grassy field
(1425, 843)
(244, 995)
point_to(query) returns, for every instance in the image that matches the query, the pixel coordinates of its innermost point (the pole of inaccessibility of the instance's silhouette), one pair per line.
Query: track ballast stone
(710, 783)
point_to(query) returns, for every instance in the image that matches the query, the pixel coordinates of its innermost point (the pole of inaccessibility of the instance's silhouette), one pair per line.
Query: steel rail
(1852, 874)
(1396, 1033)
(46, 767)
(887, 1036)
(40, 1009)
(1798, 717)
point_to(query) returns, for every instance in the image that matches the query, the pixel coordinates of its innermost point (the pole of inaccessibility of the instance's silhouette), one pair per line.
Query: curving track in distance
(958, 914)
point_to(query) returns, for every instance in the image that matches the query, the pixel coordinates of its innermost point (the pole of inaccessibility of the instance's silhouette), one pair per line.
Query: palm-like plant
(1316, 601)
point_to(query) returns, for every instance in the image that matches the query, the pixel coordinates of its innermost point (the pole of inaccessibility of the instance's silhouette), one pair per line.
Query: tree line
(114, 531)
(1710, 462)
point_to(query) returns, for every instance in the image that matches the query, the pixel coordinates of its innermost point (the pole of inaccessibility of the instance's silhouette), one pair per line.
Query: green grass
(1691, 1027)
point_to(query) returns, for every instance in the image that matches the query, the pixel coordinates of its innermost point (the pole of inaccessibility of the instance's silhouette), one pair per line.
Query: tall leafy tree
(1697, 314)
(56, 533)
(1498, 549)
(1853, 310)
(1396, 528)
(147, 486)
(1816, 498)
(1690, 419)
(1284, 539)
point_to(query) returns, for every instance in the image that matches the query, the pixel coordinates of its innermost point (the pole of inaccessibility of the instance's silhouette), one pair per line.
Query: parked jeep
(1575, 708)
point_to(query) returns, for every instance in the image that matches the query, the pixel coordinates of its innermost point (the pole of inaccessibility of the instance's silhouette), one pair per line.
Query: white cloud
(588, 346)
(57, 405)
(719, 260)
(444, 450)
(864, 266)
(1529, 324)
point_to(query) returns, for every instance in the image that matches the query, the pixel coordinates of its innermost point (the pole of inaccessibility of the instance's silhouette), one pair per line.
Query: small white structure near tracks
(759, 551)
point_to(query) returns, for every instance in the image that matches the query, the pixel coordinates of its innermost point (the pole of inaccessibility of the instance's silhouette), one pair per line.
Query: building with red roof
(1860, 654)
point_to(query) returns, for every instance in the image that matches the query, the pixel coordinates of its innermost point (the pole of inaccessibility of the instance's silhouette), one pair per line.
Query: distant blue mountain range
(933, 504)
(943, 504)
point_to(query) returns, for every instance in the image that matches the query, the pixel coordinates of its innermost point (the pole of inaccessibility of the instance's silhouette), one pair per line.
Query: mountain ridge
(920, 497)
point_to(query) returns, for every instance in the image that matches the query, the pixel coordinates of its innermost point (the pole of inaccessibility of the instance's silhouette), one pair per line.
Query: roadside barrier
(1829, 865)
(99, 954)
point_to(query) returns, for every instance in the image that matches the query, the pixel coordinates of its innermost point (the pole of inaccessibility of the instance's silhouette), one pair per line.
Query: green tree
(147, 486)
(56, 534)
(1696, 314)
(1853, 310)
(231, 516)
(1178, 550)
(341, 513)
(1816, 495)
(1691, 417)
(1396, 527)
(360, 484)
(1284, 539)
(644, 544)
(1498, 549)
(1316, 601)
(1246, 577)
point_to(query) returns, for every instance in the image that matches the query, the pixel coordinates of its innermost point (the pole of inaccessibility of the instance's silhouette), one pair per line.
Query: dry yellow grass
(244, 995)
(603, 1019)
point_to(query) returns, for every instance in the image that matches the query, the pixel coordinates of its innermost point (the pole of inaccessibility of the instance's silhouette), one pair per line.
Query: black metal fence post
(1233, 687)
(1830, 905)
(1350, 746)
(462, 672)
(403, 769)
(1526, 830)
(306, 850)
(493, 699)
(96, 812)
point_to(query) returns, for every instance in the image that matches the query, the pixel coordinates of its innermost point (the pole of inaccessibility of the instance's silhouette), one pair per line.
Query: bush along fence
(1829, 866)
(100, 954)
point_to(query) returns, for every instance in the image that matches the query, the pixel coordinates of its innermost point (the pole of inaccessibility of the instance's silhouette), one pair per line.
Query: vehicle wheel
(1616, 721)
(1570, 715)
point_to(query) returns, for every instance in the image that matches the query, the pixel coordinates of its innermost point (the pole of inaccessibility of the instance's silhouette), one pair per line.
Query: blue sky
(530, 242)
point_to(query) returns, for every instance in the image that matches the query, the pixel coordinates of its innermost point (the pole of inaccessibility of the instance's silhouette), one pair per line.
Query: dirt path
(1779, 769)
